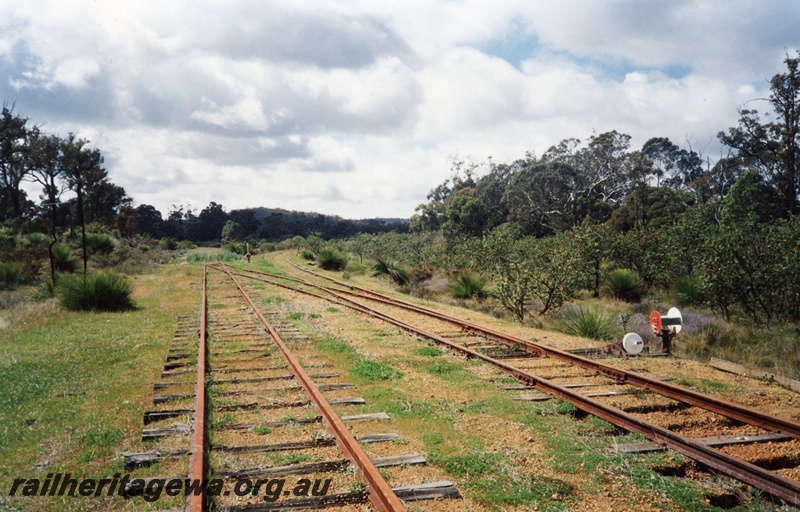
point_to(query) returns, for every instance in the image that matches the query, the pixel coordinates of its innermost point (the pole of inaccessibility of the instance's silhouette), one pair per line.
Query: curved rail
(732, 466)
(722, 407)
(379, 492)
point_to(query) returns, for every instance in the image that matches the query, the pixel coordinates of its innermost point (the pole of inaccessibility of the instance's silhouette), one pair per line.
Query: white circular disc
(633, 343)
(673, 313)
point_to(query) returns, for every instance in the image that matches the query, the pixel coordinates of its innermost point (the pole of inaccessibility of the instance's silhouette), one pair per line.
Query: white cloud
(352, 108)
(247, 113)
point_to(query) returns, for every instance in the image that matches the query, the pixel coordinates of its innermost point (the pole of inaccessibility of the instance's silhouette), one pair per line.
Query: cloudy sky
(356, 107)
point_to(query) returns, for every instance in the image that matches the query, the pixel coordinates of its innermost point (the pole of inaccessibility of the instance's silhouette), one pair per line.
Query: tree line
(271, 224)
(61, 165)
(606, 181)
(725, 235)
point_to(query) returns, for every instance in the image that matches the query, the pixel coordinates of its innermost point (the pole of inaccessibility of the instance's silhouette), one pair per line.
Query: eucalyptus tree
(489, 189)
(672, 166)
(773, 148)
(13, 153)
(543, 198)
(431, 215)
(466, 215)
(602, 167)
(43, 168)
(150, 221)
(78, 161)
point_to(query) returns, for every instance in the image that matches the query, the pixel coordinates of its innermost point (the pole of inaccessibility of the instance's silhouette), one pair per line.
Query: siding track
(539, 368)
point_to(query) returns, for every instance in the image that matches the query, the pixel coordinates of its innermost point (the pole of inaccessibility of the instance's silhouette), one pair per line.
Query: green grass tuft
(36, 240)
(104, 291)
(331, 259)
(520, 491)
(392, 269)
(10, 275)
(468, 285)
(469, 464)
(300, 315)
(64, 260)
(428, 351)
(591, 323)
(99, 243)
(336, 347)
(45, 290)
(287, 459)
(448, 371)
(99, 442)
(689, 291)
(369, 371)
(624, 284)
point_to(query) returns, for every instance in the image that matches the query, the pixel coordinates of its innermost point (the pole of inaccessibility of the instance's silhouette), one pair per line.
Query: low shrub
(689, 290)
(45, 290)
(10, 275)
(624, 284)
(392, 269)
(331, 259)
(291, 243)
(590, 323)
(420, 273)
(104, 291)
(236, 248)
(8, 241)
(120, 254)
(36, 240)
(23, 265)
(63, 259)
(308, 255)
(468, 285)
(99, 243)
(225, 256)
(168, 244)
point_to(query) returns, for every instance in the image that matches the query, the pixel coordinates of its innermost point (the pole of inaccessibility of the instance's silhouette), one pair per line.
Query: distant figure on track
(248, 255)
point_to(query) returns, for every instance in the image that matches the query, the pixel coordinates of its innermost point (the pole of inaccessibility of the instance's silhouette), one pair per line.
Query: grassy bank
(75, 385)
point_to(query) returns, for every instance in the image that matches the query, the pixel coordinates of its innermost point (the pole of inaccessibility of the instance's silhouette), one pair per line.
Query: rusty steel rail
(751, 474)
(198, 462)
(718, 406)
(379, 492)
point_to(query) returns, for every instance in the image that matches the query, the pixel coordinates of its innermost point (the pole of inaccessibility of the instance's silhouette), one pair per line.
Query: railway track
(257, 416)
(670, 416)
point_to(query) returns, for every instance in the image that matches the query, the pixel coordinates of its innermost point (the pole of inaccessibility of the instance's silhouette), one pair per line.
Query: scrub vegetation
(588, 237)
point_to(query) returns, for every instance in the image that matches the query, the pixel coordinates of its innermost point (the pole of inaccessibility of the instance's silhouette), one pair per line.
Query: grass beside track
(552, 458)
(73, 386)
